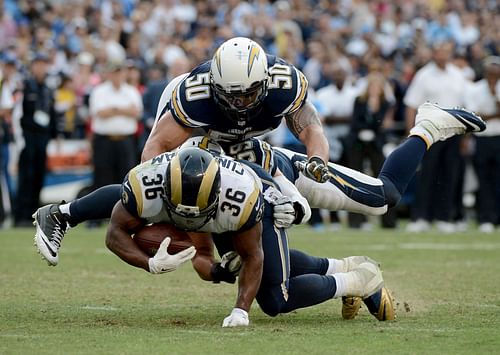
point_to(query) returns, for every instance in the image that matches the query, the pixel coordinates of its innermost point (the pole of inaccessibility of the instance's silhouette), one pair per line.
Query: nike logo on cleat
(49, 246)
(468, 125)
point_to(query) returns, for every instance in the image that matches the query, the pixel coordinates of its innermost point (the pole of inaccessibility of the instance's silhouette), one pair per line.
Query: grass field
(447, 289)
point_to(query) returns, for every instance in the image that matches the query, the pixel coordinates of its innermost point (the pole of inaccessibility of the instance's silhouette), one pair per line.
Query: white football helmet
(203, 142)
(239, 78)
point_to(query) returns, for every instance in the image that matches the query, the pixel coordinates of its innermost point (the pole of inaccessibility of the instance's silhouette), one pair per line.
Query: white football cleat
(434, 123)
(51, 226)
(364, 280)
(351, 262)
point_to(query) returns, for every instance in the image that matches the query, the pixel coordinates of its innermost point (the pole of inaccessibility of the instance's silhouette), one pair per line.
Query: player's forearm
(315, 142)
(203, 266)
(249, 280)
(165, 136)
(305, 124)
(121, 243)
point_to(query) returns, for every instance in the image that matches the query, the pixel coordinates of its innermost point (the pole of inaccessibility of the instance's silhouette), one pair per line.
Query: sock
(423, 134)
(65, 209)
(341, 281)
(335, 266)
(96, 205)
(400, 166)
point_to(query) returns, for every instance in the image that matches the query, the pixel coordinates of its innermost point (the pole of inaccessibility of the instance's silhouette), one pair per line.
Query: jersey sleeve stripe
(249, 206)
(301, 95)
(267, 159)
(177, 109)
(206, 185)
(281, 236)
(175, 181)
(136, 191)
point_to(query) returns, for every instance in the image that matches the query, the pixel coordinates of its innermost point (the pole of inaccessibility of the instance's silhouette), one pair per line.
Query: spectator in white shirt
(438, 182)
(483, 97)
(115, 108)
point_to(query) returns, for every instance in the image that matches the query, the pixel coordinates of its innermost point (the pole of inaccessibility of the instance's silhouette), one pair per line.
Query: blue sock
(400, 166)
(96, 205)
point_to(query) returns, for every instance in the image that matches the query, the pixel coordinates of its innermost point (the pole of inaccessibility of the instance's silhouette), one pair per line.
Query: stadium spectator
(438, 181)
(65, 107)
(366, 136)
(6, 106)
(38, 124)
(114, 125)
(484, 98)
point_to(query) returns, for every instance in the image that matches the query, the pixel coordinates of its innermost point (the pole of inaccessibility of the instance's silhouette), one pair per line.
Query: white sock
(341, 281)
(424, 134)
(335, 266)
(65, 209)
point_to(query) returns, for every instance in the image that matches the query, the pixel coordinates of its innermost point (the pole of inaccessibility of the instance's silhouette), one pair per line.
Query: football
(149, 238)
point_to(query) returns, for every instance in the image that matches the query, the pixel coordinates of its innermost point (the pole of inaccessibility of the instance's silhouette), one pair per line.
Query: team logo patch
(254, 54)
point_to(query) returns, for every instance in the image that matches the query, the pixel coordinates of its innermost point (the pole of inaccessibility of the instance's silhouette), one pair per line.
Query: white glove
(164, 262)
(283, 211)
(237, 318)
(231, 261)
(300, 204)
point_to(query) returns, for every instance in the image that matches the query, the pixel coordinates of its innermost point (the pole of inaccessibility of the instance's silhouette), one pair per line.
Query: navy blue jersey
(192, 103)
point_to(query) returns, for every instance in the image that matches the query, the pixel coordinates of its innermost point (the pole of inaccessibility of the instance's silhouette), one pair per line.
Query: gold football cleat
(350, 307)
(381, 305)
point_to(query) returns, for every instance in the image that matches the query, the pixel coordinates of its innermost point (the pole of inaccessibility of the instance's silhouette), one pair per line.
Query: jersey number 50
(198, 87)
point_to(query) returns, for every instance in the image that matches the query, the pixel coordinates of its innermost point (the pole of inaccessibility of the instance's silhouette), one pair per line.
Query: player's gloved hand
(231, 261)
(220, 273)
(283, 212)
(302, 210)
(316, 169)
(237, 318)
(164, 262)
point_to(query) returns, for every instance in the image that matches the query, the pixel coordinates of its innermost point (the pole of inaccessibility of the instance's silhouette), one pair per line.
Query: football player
(240, 93)
(201, 194)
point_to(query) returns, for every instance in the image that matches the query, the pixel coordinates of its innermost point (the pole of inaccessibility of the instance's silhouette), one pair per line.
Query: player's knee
(269, 308)
(392, 195)
(269, 304)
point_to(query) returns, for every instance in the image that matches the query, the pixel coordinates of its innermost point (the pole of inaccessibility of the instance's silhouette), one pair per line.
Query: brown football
(149, 238)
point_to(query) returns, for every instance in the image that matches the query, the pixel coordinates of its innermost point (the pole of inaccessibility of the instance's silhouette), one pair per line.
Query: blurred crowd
(369, 65)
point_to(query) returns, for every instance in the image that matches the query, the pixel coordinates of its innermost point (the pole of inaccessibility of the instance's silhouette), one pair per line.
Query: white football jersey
(240, 200)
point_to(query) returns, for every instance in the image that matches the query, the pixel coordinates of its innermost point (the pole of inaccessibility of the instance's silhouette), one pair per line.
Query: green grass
(447, 289)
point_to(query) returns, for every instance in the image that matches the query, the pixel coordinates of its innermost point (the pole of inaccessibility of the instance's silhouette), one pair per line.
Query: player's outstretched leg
(53, 221)
(434, 123)
(51, 226)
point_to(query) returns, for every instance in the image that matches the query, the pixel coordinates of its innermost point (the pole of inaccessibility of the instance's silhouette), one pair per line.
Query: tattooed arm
(306, 126)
